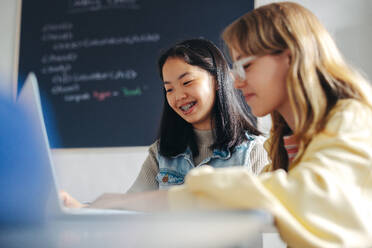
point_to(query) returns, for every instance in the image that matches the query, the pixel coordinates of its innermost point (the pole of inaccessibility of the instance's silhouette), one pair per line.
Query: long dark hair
(230, 113)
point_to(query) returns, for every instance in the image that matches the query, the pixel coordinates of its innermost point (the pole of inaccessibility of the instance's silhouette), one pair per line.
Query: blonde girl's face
(264, 86)
(190, 92)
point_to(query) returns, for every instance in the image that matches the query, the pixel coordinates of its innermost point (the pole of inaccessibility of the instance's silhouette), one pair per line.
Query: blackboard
(95, 61)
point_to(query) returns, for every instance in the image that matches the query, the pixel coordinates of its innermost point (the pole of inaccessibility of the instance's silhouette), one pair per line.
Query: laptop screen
(29, 100)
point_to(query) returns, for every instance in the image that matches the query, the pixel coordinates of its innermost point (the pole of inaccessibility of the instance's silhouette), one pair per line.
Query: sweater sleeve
(324, 201)
(146, 179)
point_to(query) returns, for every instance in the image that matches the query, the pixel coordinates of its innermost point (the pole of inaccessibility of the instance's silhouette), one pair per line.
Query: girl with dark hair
(205, 120)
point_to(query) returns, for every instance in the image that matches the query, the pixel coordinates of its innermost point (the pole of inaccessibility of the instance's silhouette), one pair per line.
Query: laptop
(29, 100)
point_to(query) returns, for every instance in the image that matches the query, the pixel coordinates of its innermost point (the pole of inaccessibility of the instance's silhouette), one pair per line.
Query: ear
(287, 53)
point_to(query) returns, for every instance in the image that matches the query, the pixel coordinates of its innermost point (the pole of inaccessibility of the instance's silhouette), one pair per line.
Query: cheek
(281, 83)
(170, 101)
(212, 98)
(208, 96)
(277, 95)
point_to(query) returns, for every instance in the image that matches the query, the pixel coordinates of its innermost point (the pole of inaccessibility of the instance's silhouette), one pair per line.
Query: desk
(201, 229)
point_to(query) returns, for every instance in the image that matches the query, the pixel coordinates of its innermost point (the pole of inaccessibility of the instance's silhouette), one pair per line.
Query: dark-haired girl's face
(190, 92)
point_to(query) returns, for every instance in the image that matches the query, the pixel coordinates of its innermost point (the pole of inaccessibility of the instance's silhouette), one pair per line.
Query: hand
(150, 201)
(69, 201)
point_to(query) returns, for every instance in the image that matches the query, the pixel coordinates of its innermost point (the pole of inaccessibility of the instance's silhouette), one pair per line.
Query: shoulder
(255, 144)
(346, 135)
(258, 155)
(255, 140)
(349, 115)
(154, 148)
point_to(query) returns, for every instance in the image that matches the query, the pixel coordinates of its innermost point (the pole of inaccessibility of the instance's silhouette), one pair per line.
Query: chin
(259, 113)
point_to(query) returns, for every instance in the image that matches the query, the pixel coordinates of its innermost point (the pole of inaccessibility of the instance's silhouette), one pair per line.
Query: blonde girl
(319, 184)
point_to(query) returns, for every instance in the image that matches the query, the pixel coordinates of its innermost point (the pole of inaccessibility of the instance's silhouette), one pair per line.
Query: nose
(180, 94)
(239, 83)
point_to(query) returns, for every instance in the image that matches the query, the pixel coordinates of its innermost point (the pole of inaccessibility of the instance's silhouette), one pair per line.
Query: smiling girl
(204, 121)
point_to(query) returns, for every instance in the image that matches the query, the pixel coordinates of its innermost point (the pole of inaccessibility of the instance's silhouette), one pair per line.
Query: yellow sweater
(323, 201)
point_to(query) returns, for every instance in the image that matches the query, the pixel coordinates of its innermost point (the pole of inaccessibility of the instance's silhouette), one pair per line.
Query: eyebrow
(179, 77)
(238, 58)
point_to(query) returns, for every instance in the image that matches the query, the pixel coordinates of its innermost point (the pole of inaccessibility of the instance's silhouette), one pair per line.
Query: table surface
(196, 229)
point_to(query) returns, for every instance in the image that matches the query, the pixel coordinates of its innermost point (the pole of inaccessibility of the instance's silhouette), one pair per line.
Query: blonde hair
(317, 77)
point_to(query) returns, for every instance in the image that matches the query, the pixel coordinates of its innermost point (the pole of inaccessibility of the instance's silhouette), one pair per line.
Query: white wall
(8, 10)
(86, 173)
(349, 22)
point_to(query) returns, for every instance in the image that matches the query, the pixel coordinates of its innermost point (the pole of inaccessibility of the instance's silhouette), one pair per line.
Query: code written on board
(62, 51)
(96, 62)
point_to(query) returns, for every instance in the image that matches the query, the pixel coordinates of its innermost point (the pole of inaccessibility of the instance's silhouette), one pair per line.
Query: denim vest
(172, 170)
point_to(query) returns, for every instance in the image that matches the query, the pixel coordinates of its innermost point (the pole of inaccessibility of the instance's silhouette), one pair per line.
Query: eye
(246, 66)
(187, 82)
(168, 90)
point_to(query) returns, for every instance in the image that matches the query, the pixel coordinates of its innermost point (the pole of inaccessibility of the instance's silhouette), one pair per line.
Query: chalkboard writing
(96, 62)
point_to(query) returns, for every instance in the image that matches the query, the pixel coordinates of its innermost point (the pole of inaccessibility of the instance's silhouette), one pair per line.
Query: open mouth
(187, 108)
